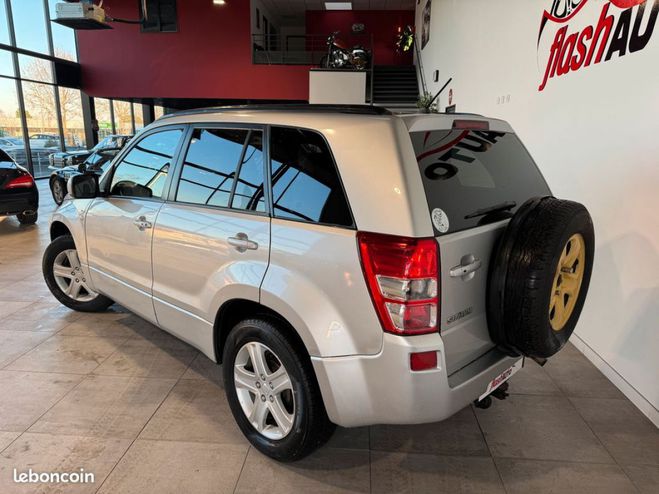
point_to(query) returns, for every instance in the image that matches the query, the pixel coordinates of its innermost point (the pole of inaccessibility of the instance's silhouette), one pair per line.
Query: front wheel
(67, 280)
(58, 189)
(272, 392)
(27, 217)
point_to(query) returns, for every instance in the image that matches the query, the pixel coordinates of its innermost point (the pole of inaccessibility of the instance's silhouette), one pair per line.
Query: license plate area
(502, 378)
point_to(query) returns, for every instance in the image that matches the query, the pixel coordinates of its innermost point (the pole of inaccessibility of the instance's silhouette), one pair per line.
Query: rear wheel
(273, 392)
(67, 280)
(27, 217)
(58, 189)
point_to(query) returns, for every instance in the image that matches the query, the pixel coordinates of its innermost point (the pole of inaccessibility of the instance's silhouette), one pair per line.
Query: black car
(74, 158)
(97, 163)
(19, 195)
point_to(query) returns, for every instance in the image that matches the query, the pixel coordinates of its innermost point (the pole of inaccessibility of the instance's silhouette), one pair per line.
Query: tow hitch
(501, 393)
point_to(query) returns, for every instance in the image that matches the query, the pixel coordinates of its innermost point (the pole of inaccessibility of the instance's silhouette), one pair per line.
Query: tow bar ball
(501, 393)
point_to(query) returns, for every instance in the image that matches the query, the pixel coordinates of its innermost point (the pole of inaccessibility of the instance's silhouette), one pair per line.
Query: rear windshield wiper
(504, 206)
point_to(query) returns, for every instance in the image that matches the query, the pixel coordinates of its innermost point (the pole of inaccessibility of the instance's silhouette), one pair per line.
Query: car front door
(119, 226)
(212, 237)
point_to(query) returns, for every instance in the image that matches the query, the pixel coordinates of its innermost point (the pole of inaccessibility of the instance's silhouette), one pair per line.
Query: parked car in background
(97, 163)
(62, 159)
(345, 264)
(19, 195)
(45, 140)
(10, 142)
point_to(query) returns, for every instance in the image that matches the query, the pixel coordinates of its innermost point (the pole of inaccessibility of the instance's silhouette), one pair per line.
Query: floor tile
(458, 435)
(539, 427)
(45, 325)
(162, 467)
(644, 477)
(106, 406)
(6, 438)
(46, 309)
(195, 410)
(8, 308)
(204, 368)
(576, 376)
(326, 471)
(72, 354)
(550, 477)
(28, 395)
(13, 344)
(351, 438)
(533, 380)
(420, 473)
(625, 432)
(59, 454)
(144, 358)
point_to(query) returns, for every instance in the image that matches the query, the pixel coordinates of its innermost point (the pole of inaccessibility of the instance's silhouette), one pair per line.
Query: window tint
(143, 171)
(465, 171)
(305, 181)
(4, 156)
(214, 158)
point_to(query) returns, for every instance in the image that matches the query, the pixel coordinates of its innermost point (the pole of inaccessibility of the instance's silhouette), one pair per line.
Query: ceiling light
(338, 5)
(219, 2)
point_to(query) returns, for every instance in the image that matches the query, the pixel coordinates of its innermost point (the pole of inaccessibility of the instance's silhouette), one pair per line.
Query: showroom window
(37, 118)
(305, 181)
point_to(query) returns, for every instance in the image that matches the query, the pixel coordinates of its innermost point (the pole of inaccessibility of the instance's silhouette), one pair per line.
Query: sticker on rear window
(440, 220)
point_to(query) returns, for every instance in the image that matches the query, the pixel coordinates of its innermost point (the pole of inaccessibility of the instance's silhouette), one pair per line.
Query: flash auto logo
(623, 26)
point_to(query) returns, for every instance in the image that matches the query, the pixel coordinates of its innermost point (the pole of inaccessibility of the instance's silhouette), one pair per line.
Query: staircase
(395, 86)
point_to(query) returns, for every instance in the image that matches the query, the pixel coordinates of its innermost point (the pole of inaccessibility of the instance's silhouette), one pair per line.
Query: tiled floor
(146, 413)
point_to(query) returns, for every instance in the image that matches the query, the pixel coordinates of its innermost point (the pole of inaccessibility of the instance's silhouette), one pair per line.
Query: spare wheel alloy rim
(70, 277)
(567, 282)
(264, 390)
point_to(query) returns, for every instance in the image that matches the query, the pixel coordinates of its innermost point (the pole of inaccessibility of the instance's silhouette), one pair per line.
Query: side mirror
(83, 186)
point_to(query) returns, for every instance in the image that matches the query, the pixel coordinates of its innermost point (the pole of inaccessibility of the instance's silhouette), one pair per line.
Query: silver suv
(346, 265)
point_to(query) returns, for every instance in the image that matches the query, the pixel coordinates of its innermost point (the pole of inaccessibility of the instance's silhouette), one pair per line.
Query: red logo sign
(623, 27)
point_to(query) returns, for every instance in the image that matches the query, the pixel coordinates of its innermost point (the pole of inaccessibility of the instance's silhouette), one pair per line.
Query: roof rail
(292, 107)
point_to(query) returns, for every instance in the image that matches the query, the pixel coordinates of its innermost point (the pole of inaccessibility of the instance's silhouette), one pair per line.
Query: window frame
(176, 177)
(106, 179)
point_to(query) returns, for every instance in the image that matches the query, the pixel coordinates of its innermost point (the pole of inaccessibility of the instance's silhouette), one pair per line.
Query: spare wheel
(539, 277)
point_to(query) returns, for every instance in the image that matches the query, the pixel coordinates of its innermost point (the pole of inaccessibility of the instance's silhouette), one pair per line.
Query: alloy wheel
(567, 281)
(70, 277)
(264, 390)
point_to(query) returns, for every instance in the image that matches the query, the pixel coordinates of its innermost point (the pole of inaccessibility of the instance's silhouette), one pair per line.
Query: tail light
(24, 181)
(402, 277)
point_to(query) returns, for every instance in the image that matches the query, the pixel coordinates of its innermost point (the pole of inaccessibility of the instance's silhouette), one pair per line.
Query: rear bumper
(15, 203)
(381, 389)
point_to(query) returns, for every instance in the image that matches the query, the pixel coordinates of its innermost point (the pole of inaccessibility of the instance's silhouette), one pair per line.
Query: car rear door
(474, 179)
(212, 238)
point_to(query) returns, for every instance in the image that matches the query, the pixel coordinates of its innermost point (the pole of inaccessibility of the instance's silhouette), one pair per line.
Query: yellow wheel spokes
(567, 281)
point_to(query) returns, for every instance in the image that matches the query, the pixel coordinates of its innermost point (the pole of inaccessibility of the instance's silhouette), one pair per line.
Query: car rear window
(467, 171)
(4, 156)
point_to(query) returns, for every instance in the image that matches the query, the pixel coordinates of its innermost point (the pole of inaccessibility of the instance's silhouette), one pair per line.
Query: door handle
(466, 269)
(242, 242)
(141, 223)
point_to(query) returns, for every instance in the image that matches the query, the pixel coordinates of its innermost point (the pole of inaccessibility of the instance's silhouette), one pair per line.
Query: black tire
(524, 271)
(57, 246)
(324, 62)
(27, 217)
(58, 190)
(311, 426)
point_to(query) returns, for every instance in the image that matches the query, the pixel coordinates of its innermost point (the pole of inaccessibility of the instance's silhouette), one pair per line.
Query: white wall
(595, 136)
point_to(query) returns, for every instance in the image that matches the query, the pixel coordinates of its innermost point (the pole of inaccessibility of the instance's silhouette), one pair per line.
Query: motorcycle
(340, 58)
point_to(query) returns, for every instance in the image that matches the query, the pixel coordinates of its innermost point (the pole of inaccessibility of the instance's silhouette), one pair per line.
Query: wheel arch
(58, 229)
(236, 310)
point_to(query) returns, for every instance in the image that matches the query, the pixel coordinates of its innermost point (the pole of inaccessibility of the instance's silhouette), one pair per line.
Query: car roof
(275, 112)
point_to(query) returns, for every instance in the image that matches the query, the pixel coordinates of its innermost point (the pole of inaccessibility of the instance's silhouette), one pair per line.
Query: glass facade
(37, 116)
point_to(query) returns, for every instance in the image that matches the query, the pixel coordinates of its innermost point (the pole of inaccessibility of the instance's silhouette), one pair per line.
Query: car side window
(305, 182)
(143, 171)
(224, 167)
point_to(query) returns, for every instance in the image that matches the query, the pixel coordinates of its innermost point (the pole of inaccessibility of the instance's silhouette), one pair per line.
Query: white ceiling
(293, 7)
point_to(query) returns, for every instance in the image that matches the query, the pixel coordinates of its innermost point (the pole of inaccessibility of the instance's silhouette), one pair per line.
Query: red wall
(209, 57)
(382, 24)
